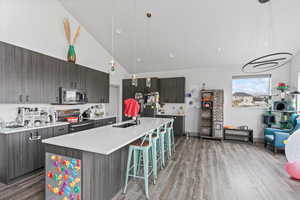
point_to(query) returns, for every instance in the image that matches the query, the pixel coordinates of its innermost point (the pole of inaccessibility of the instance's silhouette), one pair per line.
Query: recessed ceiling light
(138, 60)
(118, 31)
(219, 49)
(171, 55)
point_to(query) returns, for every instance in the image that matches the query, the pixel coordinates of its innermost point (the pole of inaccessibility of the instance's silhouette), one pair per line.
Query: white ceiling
(191, 33)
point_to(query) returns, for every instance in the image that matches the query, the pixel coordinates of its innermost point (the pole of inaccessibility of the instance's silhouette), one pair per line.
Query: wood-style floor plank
(200, 170)
(212, 170)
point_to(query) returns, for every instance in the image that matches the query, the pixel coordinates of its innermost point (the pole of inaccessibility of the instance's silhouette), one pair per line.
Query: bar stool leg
(146, 169)
(135, 162)
(162, 149)
(128, 168)
(173, 139)
(169, 143)
(154, 165)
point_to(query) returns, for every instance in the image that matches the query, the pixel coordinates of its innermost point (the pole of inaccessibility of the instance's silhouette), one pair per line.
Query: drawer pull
(61, 129)
(34, 138)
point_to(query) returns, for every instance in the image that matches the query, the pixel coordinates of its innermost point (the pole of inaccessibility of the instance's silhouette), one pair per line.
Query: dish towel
(131, 108)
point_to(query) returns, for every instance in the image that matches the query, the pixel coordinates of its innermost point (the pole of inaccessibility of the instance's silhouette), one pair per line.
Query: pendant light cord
(135, 35)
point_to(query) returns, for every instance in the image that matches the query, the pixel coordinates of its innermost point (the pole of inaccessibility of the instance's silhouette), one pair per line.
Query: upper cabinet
(51, 80)
(31, 77)
(97, 85)
(172, 90)
(11, 75)
(128, 90)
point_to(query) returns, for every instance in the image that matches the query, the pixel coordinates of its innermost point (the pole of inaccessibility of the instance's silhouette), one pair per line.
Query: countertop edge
(108, 152)
(33, 128)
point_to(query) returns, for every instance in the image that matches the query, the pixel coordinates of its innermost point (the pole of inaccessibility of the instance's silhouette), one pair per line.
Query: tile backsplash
(8, 112)
(174, 108)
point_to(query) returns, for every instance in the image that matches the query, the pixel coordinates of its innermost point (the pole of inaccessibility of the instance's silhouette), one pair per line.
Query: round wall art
(267, 63)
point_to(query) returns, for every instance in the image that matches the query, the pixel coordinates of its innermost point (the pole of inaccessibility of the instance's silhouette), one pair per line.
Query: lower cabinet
(105, 122)
(24, 152)
(60, 130)
(179, 123)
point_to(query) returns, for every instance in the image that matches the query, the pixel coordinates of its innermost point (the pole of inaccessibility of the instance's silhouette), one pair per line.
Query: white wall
(295, 69)
(38, 25)
(221, 79)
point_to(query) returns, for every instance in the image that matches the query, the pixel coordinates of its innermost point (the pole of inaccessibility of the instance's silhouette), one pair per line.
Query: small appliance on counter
(74, 117)
(149, 103)
(94, 112)
(72, 96)
(29, 117)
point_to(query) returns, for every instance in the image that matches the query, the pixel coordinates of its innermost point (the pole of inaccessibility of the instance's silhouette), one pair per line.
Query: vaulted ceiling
(189, 34)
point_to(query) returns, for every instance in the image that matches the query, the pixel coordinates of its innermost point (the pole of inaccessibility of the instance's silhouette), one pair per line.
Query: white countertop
(103, 117)
(21, 129)
(174, 114)
(107, 139)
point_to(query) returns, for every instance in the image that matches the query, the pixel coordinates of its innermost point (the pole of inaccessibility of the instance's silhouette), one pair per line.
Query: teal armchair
(276, 137)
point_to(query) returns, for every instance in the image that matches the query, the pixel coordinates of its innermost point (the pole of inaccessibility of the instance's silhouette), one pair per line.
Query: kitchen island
(95, 160)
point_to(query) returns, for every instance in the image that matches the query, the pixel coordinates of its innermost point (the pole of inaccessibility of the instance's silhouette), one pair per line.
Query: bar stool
(157, 148)
(170, 138)
(162, 130)
(140, 146)
(155, 157)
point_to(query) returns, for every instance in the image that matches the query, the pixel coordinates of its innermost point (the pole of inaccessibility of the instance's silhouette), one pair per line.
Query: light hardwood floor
(201, 170)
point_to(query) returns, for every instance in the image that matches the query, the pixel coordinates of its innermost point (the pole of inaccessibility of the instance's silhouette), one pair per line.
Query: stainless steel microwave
(72, 96)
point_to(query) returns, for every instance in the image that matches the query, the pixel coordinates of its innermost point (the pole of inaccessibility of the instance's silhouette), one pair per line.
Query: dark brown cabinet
(141, 87)
(172, 90)
(24, 152)
(51, 80)
(178, 125)
(104, 122)
(31, 77)
(93, 83)
(154, 85)
(128, 92)
(11, 77)
(60, 130)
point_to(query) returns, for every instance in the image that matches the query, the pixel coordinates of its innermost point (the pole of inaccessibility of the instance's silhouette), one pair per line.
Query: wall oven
(72, 96)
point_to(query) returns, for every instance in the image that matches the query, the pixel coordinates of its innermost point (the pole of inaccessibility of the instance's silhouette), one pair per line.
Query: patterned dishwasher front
(63, 177)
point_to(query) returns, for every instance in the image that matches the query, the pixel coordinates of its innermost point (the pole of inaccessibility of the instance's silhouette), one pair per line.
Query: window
(298, 96)
(250, 91)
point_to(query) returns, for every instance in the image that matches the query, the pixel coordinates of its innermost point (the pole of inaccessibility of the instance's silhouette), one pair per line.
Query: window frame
(269, 76)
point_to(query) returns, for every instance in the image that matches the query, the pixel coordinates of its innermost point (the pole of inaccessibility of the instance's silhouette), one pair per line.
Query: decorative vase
(71, 54)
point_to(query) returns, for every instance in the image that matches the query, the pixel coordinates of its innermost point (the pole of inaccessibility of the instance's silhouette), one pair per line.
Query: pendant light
(134, 80)
(147, 37)
(271, 61)
(112, 63)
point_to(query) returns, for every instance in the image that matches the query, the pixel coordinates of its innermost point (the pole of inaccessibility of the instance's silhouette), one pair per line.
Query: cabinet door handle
(34, 138)
(61, 129)
(21, 98)
(27, 98)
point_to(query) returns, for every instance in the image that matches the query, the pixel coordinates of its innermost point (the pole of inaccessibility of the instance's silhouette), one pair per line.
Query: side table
(235, 134)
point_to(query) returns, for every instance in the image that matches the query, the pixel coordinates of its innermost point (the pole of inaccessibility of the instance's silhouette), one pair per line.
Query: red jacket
(131, 108)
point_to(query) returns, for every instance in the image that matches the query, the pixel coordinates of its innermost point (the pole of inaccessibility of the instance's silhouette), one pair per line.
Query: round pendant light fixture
(267, 62)
(263, 1)
(270, 61)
